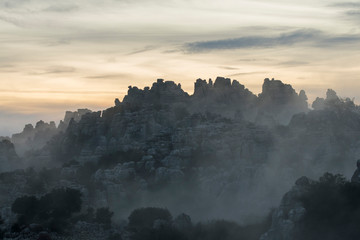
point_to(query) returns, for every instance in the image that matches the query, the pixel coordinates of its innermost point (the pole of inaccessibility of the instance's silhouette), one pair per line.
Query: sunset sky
(64, 55)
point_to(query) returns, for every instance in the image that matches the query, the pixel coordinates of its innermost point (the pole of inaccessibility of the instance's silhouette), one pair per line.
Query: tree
(145, 217)
(52, 210)
(27, 207)
(60, 203)
(332, 209)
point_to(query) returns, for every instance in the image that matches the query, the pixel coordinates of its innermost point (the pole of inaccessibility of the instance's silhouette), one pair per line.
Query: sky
(64, 55)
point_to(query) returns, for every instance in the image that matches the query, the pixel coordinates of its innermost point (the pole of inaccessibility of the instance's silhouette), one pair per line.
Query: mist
(221, 153)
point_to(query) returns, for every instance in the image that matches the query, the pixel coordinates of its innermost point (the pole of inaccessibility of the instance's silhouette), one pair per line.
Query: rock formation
(289, 213)
(333, 102)
(356, 176)
(280, 101)
(160, 93)
(34, 138)
(217, 153)
(223, 97)
(9, 160)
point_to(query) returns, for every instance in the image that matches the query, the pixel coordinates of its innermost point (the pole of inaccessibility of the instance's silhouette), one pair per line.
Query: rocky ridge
(223, 146)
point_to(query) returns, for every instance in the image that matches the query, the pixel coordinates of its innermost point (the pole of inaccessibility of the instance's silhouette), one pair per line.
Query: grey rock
(288, 214)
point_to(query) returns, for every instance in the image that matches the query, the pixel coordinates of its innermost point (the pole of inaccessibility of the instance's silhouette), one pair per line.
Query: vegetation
(145, 217)
(1, 229)
(227, 230)
(332, 210)
(157, 224)
(53, 210)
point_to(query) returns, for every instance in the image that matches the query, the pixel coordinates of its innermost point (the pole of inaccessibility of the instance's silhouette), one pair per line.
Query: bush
(227, 230)
(1, 229)
(60, 203)
(163, 233)
(141, 225)
(26, 207)
(332, 210)
(52, 210)
(145, 217)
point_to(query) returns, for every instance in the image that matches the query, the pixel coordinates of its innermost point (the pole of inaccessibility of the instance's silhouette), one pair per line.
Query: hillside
(220, 153)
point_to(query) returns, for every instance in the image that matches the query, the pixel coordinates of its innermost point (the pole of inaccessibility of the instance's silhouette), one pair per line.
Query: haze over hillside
(220, 153)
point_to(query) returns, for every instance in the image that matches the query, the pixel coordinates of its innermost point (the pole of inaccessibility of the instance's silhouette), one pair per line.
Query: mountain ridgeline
(221, 153)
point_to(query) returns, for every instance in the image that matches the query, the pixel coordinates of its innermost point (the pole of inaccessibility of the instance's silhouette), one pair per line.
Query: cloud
(61, 8)
(245, 73)
(56, 70)
(57, 42)
(145, 49)
(10, 4)
(7, 66)
(228, 68)
(353, 14)
(310, 37)
(60, 69)
(339, 40)
(285, 39)
(118, 76)
(350, 10)
(293, 63)
(14, 20)
(346, 5)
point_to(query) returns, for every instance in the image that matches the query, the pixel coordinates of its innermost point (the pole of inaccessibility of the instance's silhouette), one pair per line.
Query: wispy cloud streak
(310, 37)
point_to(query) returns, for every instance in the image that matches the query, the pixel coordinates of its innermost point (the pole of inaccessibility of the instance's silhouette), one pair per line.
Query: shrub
(60, 203)
(52, 210)
(141, 225)
(1, 229)
(163, 233)
(227, 230)
(145, 217)
(27, 207)
(332, 209)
